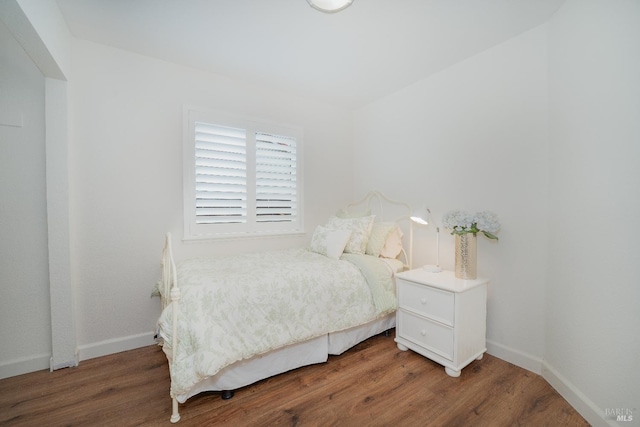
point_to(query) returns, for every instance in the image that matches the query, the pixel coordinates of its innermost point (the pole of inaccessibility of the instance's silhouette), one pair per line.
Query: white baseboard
(581, 403)
(40, 362)
(517, 357)
(24, 365)
(116, 345)
(67, 364)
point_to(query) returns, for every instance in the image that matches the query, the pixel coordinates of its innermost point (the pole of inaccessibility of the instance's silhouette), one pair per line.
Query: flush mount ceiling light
(329, 6)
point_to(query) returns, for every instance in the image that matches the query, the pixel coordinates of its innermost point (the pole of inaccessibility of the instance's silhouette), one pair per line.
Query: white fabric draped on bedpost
(170, 288)
(175, 299)
(169, 274)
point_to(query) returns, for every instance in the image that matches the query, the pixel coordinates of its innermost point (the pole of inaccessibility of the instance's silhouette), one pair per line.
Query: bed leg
(387, 333)
(227, 394)
(175, 416)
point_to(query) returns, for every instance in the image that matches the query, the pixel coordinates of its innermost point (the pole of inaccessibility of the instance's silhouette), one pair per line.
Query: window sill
(242, 236)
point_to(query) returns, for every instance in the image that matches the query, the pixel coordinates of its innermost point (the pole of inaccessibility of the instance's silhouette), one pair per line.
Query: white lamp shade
(329, 6)
(421, 216)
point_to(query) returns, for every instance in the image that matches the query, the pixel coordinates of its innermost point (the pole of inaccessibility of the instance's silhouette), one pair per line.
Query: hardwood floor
(373, 384)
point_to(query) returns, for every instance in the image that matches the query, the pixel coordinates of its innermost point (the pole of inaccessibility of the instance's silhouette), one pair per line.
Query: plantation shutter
(220, 174)
(276, 187)
(242, 176)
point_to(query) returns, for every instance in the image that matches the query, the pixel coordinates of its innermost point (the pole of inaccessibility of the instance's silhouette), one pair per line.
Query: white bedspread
(247, 305)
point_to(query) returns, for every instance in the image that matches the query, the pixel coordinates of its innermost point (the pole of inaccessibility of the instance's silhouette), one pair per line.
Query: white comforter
(235, 308)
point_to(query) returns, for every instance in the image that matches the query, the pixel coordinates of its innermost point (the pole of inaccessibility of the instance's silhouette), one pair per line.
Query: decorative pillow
(328, 242)
(378, 237)
(360, 229)
(393, 244)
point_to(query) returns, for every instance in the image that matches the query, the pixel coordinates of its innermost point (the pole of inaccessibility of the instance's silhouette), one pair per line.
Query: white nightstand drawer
(430, 335)
(430, 302)
(441, 317)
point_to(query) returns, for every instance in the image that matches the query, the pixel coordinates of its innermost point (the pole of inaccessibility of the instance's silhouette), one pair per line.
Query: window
(241, 176)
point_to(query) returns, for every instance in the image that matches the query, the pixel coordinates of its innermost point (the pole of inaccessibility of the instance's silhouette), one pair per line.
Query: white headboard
(386, 209)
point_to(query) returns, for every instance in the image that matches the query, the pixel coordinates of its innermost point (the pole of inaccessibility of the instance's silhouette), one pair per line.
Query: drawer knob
(423, 300)
(423, 333)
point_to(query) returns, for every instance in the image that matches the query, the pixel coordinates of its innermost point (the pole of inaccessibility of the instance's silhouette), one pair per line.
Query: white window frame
(251, 228)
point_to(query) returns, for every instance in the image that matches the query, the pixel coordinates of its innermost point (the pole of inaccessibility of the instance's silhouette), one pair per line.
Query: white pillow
(393, 244)
(378, 237)
(360, 229)
(328, 242)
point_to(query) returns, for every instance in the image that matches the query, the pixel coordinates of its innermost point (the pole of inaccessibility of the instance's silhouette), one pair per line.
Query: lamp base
(432, 268)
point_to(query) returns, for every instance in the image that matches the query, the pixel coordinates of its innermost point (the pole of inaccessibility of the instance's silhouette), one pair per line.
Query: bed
(231, 321)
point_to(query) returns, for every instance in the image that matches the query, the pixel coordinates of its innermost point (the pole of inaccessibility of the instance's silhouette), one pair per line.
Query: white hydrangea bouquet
(461, 222)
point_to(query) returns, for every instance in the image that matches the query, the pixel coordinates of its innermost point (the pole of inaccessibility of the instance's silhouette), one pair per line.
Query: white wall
(558, 161)
(474, 137)
(593, 293)
(25, 325)
(49, 44)
(126, 179)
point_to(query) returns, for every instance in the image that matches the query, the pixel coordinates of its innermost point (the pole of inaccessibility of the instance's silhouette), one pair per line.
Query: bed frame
(316, 350)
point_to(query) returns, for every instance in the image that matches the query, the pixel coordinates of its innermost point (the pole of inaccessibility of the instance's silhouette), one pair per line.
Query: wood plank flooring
(373, 384)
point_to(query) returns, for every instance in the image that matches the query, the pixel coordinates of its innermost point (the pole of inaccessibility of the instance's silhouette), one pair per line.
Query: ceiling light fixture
(329, 6)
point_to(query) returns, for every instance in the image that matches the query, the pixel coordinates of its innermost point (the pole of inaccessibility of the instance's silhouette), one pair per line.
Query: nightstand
(441, 317)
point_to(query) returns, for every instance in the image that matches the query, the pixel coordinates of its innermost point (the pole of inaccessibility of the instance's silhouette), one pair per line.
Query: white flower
(487, 221)
(461, 222)
(457, 220)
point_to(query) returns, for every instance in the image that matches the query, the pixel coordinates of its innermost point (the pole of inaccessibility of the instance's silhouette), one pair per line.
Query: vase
(466, 259)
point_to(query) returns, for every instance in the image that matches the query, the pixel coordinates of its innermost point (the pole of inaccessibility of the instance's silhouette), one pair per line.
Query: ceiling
(347, 59)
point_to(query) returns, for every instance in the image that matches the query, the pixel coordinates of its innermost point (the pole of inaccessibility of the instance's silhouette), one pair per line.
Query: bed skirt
(316, 350)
